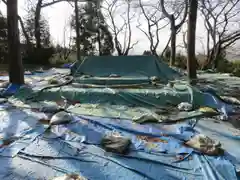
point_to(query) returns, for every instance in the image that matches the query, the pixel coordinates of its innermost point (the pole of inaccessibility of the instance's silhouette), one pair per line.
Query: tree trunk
(191, 63)
(77, 30)
(173, 42)
(16, 74)
(218, 55)
(37, 24)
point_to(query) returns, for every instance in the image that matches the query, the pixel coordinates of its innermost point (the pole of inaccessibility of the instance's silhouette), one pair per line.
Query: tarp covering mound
(110, 98)
(124, 66)
(98, 136)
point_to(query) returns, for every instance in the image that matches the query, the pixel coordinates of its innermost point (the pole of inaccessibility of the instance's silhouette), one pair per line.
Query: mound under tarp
(127, 103)
(122, 69)
(33, 148)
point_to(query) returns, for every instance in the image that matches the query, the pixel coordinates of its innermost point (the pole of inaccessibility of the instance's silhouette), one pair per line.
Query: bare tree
(124, 30)
(47, 3)
(153, 16)
(38, 8)
(44, 4)
(191, 57)
(22, 26)
(16, 74)
(178, 8)
(220, 19)
(35, 6)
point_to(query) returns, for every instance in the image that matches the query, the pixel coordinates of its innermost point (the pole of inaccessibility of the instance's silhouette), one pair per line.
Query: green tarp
(147, 97)
(135, 67)
(159, 97)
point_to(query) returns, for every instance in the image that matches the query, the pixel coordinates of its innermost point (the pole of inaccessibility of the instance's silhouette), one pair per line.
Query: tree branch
(152, 24)
(111, 8)
(169, 16)
(54, 2)
(184, 15)
(217, 21)
(58, 1)
(164, 50)
(22, 26)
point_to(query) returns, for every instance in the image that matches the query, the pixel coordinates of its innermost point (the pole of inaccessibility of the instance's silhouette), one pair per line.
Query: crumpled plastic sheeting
(46, 158)
(106, 166)
(93, 163)
(136, 97)
(70, 160)
(24, 169)
(217, 168)
(11, 89)
(224, 84)
(171, 146)
(20, 124)
(214, 102)
(38, 80)
(226, 134)
(179, 131)
(91, 130)
(146, 138)
(180, 92)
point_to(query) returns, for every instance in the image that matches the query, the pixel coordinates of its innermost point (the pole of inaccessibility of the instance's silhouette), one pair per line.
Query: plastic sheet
(11, 89)
(147, 97)
(93, 163)
(69, 148)
(226, 134)
(124, 66)
(134, 97)
(157, 151)
(61, 156)
(68, 65)
(21, 126)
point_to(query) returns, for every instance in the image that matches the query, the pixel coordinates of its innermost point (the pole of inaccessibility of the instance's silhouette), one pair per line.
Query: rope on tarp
(28, 157)
(55, 157)
(176, 168)
(44, 163)
(114, 127)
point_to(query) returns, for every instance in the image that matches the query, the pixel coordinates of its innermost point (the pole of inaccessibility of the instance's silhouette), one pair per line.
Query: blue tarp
(74, 148)
(21, 126)
(68, 65)
(11, 89)
(67, 154)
